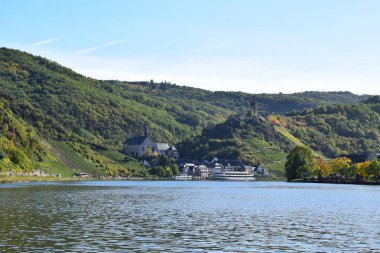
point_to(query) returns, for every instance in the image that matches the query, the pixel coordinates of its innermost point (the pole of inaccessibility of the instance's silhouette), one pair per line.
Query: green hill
(22, 150)
(250, 139)
(333, 97)
(91, 115)
(63, 105)
(86, 120)
(236, 101)
(329, 131)
(337, 129)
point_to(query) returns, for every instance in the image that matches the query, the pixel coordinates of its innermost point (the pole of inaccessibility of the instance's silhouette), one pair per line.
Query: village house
(202, 171)
(373, 156)
(187, 168)
(145, 145)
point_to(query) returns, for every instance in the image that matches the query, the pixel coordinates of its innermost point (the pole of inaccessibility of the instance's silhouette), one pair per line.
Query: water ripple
(188, 217)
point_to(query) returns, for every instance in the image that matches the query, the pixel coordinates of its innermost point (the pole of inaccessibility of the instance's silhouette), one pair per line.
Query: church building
(145, 145)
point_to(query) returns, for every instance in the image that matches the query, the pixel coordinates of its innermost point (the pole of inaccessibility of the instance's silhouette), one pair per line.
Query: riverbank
(337, 182)
(18, 179)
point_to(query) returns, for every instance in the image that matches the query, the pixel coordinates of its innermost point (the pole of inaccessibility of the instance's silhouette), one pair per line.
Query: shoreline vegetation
(336, 182)
(26, 179)
(33, 178)
(303, 166)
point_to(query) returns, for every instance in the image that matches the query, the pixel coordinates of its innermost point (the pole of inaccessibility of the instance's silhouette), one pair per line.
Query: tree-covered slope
(92, 118)
(62, 104)
(337, 129)
(21, 149)
(237, 101)
(329, 131)
(333, 97)
(250, 139)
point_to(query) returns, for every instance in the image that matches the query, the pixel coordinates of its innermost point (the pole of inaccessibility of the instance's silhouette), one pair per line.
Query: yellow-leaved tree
(322, 166)
(361, 168)
(341, 165)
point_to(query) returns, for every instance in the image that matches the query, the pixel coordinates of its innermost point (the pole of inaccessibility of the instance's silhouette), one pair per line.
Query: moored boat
(183, 177)
(233, 176)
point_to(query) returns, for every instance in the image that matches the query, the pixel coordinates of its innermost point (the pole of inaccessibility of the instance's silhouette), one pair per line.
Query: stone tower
(254, 108)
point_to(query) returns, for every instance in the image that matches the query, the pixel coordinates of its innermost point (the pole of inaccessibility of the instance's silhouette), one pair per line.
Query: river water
(173, 216)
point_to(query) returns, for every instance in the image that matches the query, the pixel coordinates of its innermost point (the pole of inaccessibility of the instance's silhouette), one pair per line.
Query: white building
(202, 171)
(145, 145)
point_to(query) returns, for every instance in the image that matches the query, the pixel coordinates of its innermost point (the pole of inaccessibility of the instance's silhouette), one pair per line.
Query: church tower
(146, 131)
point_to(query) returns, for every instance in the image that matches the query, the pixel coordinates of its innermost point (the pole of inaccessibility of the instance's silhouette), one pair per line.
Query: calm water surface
(188, 217)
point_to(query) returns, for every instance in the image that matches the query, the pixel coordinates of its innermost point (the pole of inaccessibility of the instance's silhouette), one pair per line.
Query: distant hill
(250, 139)
(337, 129)
(89, 119)
(337, 97)
(329, 130)
(73, 106)
(237, 101)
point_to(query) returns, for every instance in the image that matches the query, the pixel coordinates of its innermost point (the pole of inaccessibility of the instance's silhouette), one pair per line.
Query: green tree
(158, 171)
(5, 128)
(164, 161)
(373, 168)
(174, 168)
(168, 172)
(299, 161)
(18, 157)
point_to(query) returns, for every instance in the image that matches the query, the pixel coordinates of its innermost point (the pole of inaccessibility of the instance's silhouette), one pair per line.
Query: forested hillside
(338, 97)
(88, 120)
(337, 129)
(250, 139)
(238, 101)
(329, 130)
(73, 106)
(62, 104)
(21, 150)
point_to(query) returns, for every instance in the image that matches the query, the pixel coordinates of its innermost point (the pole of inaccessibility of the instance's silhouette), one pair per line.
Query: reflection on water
(188, 216)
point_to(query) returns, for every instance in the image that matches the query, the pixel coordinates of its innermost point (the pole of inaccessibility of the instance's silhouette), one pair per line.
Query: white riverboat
(183, 177)
(233, 176)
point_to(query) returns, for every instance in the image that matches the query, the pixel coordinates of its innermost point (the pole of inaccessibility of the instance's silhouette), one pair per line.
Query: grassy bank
(15, 179)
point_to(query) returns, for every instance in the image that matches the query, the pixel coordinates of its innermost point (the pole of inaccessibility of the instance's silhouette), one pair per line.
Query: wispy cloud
(221, 74)
(45, 42)
(90, 49)
(374, 61)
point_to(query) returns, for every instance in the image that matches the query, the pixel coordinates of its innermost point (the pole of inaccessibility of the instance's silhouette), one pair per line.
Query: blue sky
(252, 46)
